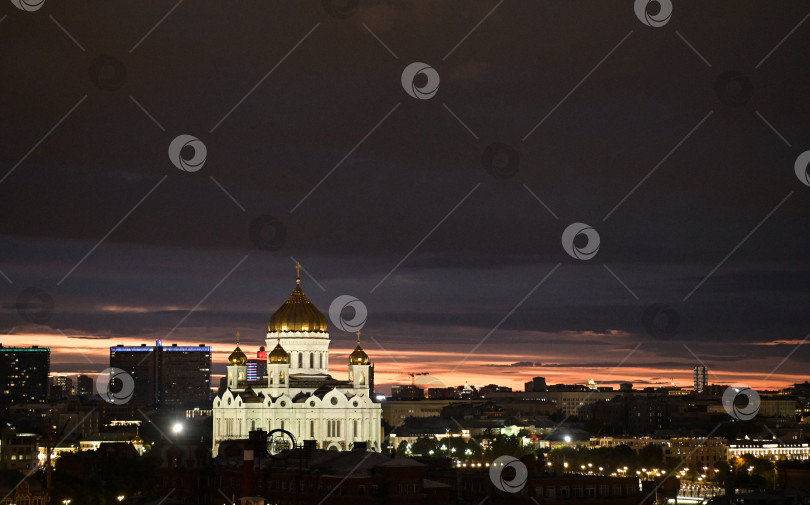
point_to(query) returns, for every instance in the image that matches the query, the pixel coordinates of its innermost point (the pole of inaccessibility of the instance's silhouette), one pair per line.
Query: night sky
(443, 214)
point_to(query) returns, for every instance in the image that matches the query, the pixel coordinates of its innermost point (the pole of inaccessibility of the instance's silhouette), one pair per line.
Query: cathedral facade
(298, 394)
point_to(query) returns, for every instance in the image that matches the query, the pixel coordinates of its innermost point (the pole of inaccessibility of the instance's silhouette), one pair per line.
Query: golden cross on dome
(298, 271)
(237, 338)
(358, 337)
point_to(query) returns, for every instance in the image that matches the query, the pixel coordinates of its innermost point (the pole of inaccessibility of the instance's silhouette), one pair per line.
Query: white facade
(300, 396)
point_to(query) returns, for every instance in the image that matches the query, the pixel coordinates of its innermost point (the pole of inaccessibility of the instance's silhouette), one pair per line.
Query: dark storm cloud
(385, 198)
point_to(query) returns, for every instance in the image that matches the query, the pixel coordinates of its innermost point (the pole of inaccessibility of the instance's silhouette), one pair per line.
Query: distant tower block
(701, 374)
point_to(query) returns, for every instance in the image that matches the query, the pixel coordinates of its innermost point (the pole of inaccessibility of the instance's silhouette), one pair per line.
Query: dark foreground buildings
(310, 476)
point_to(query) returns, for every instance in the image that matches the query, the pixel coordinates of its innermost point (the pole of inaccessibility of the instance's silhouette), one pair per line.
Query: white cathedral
(298, 394)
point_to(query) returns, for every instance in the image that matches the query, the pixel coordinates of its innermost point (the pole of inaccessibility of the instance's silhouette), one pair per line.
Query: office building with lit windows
(166, 375)
(24, 374)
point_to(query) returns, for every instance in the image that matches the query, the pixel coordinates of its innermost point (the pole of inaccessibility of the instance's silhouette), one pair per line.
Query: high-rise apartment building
(701, 378)
(165, 375)
(24, 374)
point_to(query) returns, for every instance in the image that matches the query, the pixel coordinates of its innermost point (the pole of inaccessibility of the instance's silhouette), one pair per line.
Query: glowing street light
(120, 497)
(177, 428)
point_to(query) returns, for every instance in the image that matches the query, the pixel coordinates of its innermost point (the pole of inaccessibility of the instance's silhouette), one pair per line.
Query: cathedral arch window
(300, 360)
(312, 429)
(362, 377)
(320, 360)
(311, 360)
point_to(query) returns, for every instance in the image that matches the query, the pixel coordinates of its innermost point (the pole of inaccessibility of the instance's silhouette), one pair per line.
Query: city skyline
(444, 211)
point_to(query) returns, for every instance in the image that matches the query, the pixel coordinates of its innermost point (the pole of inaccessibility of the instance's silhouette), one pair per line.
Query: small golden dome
(237, 357)
(278, 355)
(297, 314)
(358, 356)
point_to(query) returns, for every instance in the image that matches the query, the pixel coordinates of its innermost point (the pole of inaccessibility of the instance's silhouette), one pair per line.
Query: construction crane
(414, 374)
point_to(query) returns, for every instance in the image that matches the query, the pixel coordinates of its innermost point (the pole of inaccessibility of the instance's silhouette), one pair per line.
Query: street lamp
(121, 497)
(177, 428)
(66, 502)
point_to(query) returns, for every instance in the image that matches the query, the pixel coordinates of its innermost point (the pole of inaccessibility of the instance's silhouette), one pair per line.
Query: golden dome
(237, 357)
(278, 355)
(297, 314)
(358, 356)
